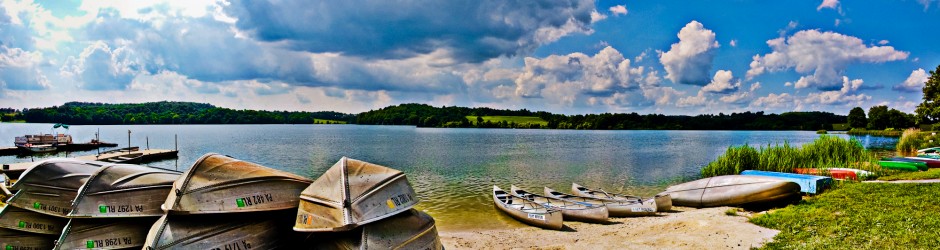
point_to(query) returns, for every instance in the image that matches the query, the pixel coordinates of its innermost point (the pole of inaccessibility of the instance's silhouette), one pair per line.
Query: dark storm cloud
(469, 31)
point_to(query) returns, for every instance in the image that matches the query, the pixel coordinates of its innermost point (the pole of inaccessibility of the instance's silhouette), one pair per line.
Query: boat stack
(219, 203)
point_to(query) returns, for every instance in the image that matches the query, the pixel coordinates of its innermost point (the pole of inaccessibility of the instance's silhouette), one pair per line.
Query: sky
(562, 56)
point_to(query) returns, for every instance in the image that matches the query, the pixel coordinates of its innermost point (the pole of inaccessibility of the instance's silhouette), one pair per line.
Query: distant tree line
(79, 113)
(422, 115)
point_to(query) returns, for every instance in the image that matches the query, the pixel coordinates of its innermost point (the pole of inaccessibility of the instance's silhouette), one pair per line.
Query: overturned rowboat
(411, 229)
(221, 184)
(100, 233)
(614, 207)
(353, 193)
(124, 190)
(527, 211)
(13, 239)
(570, 210)
(734, 190)
(255, 230)
(51, 185)
(663, 201)
(28, 221)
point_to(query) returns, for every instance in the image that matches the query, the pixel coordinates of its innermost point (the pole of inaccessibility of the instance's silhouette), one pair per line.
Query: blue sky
(570, 56)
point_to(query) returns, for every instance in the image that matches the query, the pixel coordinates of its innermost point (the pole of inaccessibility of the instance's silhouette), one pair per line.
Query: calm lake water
(453, 170)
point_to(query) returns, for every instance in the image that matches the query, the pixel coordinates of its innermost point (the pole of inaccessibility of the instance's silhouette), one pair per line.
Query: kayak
(902, 165)
(931, 162)
(919, 164)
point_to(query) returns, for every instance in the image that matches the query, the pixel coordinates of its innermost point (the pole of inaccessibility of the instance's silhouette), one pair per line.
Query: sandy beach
(684, 228)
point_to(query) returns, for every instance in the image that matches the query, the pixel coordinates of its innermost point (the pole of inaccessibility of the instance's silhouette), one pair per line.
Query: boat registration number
(537, 216)
(642, 210)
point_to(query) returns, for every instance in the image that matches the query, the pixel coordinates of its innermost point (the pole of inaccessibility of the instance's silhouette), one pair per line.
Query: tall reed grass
(824, 152)
(914, 139)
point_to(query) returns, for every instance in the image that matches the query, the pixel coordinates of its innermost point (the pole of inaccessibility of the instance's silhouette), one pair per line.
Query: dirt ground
(684, 228)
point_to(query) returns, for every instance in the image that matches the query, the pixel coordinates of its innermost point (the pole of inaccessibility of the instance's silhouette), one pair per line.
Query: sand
(685, 228)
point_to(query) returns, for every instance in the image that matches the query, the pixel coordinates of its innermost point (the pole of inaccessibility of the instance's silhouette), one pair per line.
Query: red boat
(931, 163)
(840, 174)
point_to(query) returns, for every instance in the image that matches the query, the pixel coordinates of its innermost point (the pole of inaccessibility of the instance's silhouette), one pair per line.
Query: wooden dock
(13, 170)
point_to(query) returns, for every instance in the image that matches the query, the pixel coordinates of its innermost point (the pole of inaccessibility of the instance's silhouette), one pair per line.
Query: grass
(325, 121)
(508, 119)
(859, 216)
(841, 127)
(731, 212)
(887, 132)
(933, 173)
(824, 152)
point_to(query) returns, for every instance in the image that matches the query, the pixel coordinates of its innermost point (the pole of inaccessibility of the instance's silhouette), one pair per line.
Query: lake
(453, 170)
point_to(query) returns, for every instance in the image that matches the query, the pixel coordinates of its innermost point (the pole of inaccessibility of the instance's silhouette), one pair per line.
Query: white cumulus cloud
(618, 10)
(914, 82)
(832, 4)
(689, 60)
(821, 57)
(723, 82)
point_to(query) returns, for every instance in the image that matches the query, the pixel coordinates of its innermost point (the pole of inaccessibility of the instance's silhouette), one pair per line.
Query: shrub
(824, 152)
(821, 132)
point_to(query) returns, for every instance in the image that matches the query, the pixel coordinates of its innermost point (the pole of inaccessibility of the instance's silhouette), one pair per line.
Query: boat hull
(839, 174)
(614, 208)
(12, 239)
(408, 230)
(124, 191)
(570, 210)
(733, 190)
(19, 219)
(901, 165)
(526, 211)
(931, 163)
(220, 184)
(257, 230)
(353, 193)
(105, 233)
(663, 202)
(50, 186)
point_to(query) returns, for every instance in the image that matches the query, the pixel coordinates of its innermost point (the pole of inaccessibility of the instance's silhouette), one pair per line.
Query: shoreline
(682, 228)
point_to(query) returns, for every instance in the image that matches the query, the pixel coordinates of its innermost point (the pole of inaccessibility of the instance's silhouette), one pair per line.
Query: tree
(857, 118)
(929, 110)
(878, 117)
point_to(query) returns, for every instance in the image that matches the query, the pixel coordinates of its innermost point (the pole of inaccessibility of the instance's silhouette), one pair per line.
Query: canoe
(527, 211)
(570, 210)
(253, 230)
(663, 202)
(13, 239)
(408, 230)
(919, 164)
(734, 190)
(353, 193)
(28, 221)
(901, 165)
(810, 184)
(931, 163)
(221, 184)
(51, 185)
(124, 190)
(615, 208)
(106, 233)
(925, 151)
(834, 173)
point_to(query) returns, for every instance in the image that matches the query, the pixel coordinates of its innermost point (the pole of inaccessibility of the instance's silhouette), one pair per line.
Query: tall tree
(878, 117)
(929, 110)
(857, 118)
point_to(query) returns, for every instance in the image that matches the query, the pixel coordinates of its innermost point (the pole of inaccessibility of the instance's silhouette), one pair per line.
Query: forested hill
(78, 113)
(420, 115)
(428, 116)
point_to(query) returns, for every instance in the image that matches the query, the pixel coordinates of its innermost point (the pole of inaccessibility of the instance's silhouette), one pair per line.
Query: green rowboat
(902, 165)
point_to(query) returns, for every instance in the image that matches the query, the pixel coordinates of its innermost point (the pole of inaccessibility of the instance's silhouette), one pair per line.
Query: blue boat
(810, 184)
